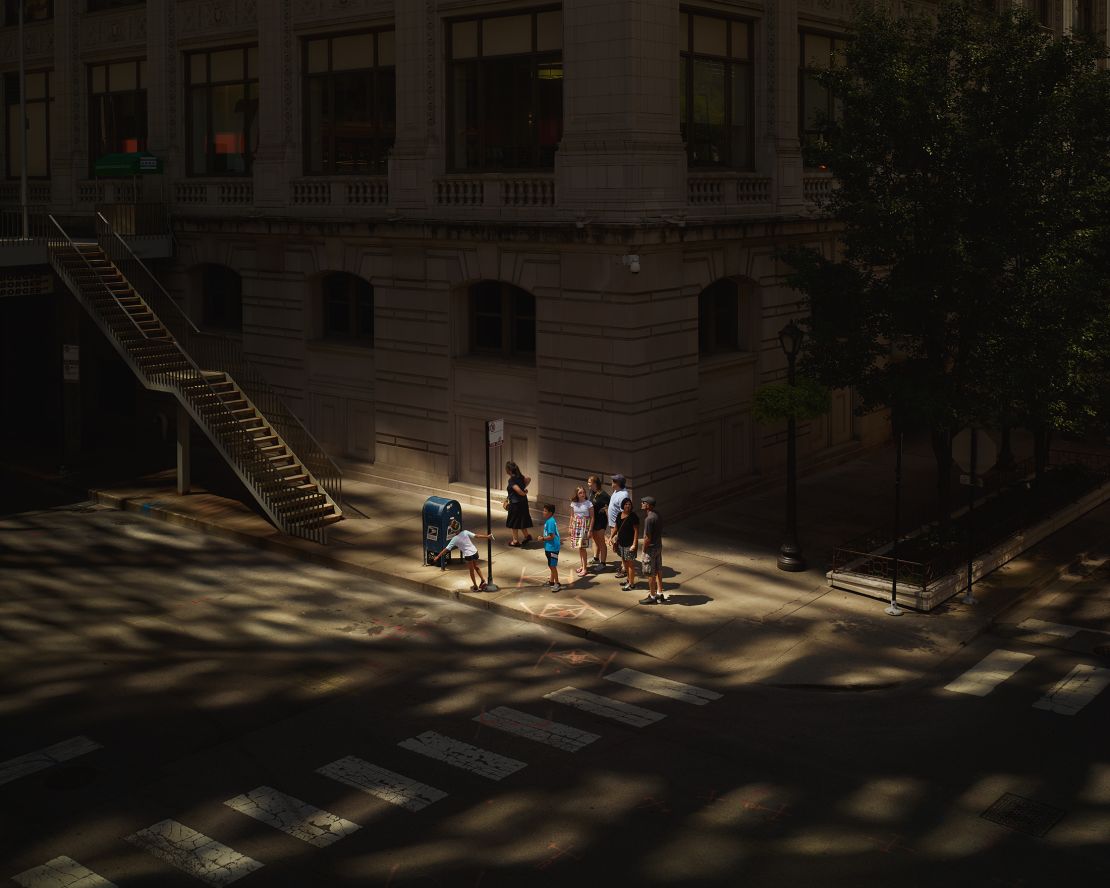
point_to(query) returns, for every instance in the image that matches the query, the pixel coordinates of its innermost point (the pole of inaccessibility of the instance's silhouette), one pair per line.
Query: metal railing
(216, 352)
(38, 230)
(137, 219)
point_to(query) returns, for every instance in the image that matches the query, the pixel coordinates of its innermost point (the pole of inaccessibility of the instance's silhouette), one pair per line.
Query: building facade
(418, 215)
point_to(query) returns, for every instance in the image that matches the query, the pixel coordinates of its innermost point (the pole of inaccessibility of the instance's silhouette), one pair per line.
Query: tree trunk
(942, 451)
(1042, 441)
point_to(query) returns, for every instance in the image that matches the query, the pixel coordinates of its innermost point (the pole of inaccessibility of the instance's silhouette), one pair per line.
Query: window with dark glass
(716, 95)
(1085, 16)
(33, 11)
(223, 111)
(98, 5)
(719, 319)
(40, 108)
(117, 108)
(816, 103)
(348, 308)
(350, 103)
(505, 91)
(222, 298)
(502, 320)
(1043, 11)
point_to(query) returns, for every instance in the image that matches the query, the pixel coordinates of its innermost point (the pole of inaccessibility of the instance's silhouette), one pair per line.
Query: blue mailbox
(442, 520)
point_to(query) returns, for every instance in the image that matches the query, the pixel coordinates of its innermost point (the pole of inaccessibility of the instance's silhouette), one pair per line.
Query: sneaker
(620, 572)
(595, 560)
(627, 587)
(661, 598)
(651, 599)
(556, 588)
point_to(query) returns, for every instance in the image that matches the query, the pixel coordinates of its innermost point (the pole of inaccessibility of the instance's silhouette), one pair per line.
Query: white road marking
(1060, 629)
(664, 687)
(61, 872)
(1076, 690)
(539, 729)
(595, 704)
(15, 768)
(292, 816)
(463, 755)
(989, 673)
(194, 853)
(386, 785)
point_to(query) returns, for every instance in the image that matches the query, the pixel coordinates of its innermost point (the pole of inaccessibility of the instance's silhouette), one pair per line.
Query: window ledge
(726, 361)
(341, 346)
(500, 365)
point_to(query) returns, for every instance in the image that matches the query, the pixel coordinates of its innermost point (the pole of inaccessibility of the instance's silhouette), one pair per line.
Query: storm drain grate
(1023, 815)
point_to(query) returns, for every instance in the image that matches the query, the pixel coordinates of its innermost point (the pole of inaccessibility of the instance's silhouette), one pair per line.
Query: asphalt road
(168, 673)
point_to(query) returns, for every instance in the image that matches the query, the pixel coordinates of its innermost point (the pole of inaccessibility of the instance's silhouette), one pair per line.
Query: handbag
(505, 504)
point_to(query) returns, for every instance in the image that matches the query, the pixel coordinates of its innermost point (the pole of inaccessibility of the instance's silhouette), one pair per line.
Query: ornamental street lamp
(790, 554)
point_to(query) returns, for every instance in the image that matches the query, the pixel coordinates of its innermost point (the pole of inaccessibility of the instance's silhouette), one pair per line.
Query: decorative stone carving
(202, 17)
(38, 42)
(124, 28)
(314, 10)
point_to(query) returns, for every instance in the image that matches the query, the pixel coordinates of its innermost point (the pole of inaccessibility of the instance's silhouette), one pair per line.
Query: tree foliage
(806, 399)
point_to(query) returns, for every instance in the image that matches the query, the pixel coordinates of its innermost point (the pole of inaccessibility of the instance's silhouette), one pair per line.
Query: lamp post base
(790, 558)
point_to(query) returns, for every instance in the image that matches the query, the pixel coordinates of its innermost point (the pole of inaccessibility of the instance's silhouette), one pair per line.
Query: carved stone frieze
(38, 42)
(311, 11)
(124, 28)
(216, 16)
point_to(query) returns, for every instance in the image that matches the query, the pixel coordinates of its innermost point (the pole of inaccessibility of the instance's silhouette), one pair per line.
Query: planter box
(940, 590)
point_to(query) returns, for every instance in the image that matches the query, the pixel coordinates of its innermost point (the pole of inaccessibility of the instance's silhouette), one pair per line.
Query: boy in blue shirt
(551, 545)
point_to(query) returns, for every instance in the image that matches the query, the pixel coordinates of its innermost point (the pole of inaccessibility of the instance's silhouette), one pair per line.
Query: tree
(972, 155)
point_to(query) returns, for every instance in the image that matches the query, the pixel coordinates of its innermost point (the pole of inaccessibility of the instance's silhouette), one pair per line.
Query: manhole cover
(1023, 815)
(70, 777)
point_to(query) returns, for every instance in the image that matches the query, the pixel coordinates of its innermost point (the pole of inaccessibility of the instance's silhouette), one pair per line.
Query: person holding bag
(518, 519)
(623, 539)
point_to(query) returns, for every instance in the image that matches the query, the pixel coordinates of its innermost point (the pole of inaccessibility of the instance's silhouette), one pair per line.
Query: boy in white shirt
(464, 542)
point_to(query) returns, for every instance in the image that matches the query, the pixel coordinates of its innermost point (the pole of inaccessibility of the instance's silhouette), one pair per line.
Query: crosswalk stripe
(664, 687)
(595, 704)
(61, 872)
(989, 673)
(1078, 688)
(404, 792)
(1062, 630)
(463, 755)
(299, 819)
(15, 768)
(541, 730)
(194, 853)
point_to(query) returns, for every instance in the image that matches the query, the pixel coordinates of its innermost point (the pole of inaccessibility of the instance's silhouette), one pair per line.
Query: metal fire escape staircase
(294, 481)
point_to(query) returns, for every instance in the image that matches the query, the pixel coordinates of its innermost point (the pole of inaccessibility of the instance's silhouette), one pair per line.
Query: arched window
(723, 323)
(347, 308)
(502, 321)
(222, 298)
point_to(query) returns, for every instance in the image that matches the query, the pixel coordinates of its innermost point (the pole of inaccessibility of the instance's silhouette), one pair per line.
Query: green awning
(130, 163)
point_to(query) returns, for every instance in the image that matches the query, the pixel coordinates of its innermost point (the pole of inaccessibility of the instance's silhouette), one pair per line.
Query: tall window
(222, 298)
(715, 90)
(347, 303)
(722, 318)
(816, 104)
(502, 321)
(223, 111)
(1085, 16)
(117, 108)
(1043, 11)
(350, 103)
(33, 11)
(39, 111)
(505, 91)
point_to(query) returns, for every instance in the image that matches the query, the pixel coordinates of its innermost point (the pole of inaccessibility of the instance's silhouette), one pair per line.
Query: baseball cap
(650, 500)
(619, 478)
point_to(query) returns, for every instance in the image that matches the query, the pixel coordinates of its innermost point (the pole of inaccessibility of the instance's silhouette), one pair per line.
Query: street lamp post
(790, 554)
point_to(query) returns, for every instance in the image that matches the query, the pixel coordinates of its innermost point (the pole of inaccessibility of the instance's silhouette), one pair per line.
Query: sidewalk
(732, 610)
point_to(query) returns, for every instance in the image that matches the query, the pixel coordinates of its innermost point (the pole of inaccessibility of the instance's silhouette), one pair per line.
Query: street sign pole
(495, 434)
(969, 598)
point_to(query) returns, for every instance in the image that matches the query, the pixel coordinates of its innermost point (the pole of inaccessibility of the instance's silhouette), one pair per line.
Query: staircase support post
(184, 450)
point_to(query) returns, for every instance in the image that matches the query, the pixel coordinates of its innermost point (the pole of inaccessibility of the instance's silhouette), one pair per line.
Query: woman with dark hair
(600, 529)
(516, 495)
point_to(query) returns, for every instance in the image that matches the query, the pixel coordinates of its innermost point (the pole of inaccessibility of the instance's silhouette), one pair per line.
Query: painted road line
(541, 730)
(664, 687)
(1042, 627)
(15, 768)
(194, 853)
(292, 816)
(595, 704)
(989, 673)
(463, 755)
(1076, 690)
(61, 872)
(386, 785)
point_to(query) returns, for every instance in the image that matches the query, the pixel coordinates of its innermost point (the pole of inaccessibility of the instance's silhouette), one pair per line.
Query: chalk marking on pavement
(463, 755)
(1063, 631)
(1078, 688)
(194, 853)
(404, 792)
(541, 730)
(989, 673)
(62, 872)
(15, 768)
(292, 816)
(664, 687)
(595, 704)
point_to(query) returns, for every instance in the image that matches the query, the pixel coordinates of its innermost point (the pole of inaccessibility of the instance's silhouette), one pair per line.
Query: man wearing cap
(653, 552)
(620, 494)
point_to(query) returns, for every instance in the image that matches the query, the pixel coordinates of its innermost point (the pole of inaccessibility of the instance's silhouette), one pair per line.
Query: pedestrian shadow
(685, 600)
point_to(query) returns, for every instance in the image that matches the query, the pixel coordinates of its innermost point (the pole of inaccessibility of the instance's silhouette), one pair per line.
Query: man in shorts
(619, 495)
(464, 542)
(652, 563)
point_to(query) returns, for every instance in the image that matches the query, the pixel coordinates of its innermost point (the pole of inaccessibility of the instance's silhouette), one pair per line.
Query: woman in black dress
(518, 520)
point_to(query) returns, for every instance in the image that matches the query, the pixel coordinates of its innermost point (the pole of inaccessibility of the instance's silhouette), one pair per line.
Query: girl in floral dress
(581, 520)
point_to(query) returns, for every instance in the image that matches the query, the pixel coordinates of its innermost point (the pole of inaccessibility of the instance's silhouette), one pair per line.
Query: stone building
(417, 215)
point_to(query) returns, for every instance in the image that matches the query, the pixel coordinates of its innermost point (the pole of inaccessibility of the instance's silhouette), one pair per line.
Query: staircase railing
(39, 230)
(192, 386)
(223, 353)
